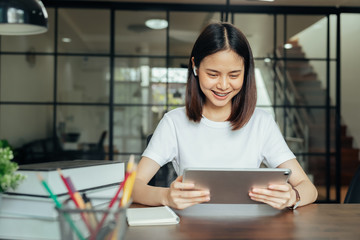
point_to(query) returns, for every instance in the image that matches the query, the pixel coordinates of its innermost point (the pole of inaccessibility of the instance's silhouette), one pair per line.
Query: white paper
(151, 216)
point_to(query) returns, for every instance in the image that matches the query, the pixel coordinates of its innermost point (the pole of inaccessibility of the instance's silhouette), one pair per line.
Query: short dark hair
(214, 38)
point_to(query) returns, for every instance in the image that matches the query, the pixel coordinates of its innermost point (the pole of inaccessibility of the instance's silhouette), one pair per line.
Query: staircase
(311, 93)
(349, 157)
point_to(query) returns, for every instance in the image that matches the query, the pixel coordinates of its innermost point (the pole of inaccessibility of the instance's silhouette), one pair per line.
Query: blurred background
(95, 85)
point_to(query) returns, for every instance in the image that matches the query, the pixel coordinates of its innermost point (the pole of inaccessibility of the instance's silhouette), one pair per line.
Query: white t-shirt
(210, 144)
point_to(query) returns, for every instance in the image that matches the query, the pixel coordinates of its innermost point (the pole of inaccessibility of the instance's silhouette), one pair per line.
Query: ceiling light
(22, 17)
(288, 46)
(267, 60)
(156, 23)
(66, 40)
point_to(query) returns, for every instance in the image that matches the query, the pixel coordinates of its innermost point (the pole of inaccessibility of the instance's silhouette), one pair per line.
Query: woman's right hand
(182, 195)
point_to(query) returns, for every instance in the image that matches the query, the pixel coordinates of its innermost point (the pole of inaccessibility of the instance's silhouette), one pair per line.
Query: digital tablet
(232, 186)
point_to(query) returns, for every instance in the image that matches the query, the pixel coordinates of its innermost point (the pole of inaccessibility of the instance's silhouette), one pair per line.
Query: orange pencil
(75, 196)
(129, 168)
(128, 188)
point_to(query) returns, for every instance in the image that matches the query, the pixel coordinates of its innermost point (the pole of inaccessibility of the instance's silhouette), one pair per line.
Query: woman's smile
(221, 95)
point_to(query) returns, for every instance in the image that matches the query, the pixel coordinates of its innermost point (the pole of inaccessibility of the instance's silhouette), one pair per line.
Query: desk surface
(316, 221)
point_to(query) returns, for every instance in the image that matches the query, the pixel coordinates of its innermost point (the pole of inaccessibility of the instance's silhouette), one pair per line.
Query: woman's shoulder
(176, 113)
(262, 113)
(178, 118)
(262, 117)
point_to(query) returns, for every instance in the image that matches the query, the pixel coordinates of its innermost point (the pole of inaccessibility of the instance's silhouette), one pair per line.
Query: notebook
(151, 216)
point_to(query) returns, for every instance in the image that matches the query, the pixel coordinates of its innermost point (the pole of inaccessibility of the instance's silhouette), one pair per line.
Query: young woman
(219, 128)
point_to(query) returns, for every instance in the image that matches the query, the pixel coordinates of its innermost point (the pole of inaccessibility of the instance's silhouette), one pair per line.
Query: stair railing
(297, 130)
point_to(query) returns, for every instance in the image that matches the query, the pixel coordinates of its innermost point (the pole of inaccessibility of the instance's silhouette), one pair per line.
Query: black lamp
(22, 17)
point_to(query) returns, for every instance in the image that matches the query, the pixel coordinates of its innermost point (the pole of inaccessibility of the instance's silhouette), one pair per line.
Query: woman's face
(221, 77)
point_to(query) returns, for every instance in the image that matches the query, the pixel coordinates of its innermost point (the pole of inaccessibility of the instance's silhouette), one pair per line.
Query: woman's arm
(180, 195)
(299, 180)
(282, 196)
(143, 193)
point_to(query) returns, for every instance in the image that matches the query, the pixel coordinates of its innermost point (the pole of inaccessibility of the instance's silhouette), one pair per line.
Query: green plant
(8, 176)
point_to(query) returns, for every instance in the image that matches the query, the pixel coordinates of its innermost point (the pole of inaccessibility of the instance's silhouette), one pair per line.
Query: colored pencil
(58, 205)
(76, 198)
(128, 188)
(129, 169)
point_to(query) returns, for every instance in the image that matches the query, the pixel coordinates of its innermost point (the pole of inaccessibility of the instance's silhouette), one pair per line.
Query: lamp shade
(22, 17)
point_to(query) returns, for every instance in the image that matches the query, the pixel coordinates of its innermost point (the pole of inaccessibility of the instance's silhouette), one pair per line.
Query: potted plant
(8, 176)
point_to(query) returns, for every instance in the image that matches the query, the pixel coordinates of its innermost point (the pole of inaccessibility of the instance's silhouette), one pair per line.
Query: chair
(94, 151)
(166, 174)
(37, 151)
(353, 193)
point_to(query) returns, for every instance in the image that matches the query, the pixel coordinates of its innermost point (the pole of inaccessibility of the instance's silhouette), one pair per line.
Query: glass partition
(34, 83)
(306, 35)
(83, 131)
(185, 27)
(83, 79)
(140, 81)
(259, 30)
(83, 31)
(132, 125)
(134, 37)
(27, 126)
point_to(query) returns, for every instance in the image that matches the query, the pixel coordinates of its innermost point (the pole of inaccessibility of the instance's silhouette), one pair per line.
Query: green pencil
(58, 205)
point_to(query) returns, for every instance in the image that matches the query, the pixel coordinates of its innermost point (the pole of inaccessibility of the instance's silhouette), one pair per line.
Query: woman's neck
(216, 114)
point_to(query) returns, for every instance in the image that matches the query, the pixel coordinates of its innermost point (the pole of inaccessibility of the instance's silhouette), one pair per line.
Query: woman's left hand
(278, 196)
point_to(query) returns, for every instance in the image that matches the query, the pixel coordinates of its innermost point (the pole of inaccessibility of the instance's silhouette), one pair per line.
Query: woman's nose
(223, 83)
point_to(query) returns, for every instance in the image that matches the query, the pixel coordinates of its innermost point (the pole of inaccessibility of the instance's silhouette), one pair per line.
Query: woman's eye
(212, 75)
(234, 76)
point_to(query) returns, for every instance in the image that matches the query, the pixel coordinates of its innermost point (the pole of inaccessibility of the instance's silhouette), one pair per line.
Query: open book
(151, 216)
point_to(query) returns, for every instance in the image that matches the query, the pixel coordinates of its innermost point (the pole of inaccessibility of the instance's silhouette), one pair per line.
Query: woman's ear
(194, 67)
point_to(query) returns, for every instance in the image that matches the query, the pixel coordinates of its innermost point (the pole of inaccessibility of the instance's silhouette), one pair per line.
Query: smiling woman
(222, 54)
(220, 128)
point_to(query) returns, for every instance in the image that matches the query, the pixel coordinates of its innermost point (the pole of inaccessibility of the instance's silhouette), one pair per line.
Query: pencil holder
(93, 223)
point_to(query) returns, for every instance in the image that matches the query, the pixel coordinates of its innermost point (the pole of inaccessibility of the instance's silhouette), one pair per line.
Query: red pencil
(75, 196)
(70, 190)
(129, 168)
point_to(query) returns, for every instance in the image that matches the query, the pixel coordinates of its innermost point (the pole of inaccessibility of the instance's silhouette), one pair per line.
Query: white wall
(20, 81)
(312, 42)
(350, 73)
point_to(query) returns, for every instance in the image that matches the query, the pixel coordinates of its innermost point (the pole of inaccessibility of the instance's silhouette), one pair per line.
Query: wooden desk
(317, 221)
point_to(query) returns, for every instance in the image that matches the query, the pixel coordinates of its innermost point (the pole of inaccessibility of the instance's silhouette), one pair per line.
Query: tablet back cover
(232, 186)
